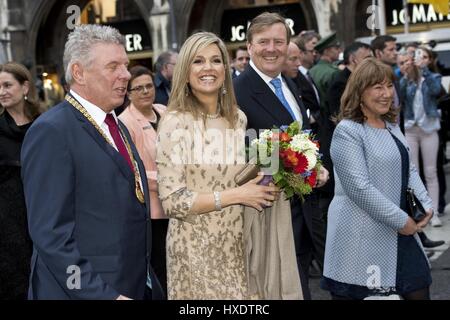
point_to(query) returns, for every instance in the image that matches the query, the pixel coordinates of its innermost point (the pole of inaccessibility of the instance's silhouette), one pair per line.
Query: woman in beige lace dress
(200, 149)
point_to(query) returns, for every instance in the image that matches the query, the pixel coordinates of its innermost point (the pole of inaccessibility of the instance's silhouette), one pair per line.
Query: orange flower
(284, 137)
(289, 157)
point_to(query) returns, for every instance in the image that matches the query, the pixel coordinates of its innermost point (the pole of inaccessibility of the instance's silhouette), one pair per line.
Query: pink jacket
(144, 137)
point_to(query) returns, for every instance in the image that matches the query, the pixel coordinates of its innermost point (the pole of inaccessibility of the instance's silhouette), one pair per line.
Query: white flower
(312, 146)
(301, 143)
(266, 135)
(311, 155)
(254, 142)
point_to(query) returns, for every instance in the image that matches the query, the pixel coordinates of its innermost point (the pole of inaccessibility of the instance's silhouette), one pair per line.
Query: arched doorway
(229, 18)
(53, 24)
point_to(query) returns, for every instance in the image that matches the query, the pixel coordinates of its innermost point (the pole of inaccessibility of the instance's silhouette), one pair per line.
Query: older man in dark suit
(85, 189)
(269, 99)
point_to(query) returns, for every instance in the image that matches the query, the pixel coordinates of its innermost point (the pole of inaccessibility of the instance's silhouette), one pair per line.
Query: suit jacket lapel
(304, 82)
(267, 99)
(97, 137)
(295, 93)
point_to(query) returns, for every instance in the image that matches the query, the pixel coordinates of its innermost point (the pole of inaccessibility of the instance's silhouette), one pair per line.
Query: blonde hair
(367, 74)
(181, 97)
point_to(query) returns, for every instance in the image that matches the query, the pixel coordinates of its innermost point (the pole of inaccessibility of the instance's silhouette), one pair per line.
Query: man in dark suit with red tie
(85, 185)
(269, 99)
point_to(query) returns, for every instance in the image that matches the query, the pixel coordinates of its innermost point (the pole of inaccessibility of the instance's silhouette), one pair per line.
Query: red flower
(312, 179)
(302, 164)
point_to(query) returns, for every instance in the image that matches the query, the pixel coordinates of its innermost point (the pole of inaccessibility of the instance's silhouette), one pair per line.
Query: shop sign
(418, 14)
(235, 22)
(137, 37)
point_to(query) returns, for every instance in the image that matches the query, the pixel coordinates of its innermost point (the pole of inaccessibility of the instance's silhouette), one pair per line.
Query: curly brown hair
(367, 74)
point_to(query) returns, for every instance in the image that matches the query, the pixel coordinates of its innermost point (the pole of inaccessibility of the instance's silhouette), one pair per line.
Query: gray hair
(163, 59)
(80, 41)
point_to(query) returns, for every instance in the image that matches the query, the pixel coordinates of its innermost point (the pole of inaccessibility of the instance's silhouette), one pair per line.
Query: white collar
(303, 70)
(95, 112)
(264, 76)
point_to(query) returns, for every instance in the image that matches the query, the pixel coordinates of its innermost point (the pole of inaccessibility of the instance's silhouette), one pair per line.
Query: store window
(124, 15)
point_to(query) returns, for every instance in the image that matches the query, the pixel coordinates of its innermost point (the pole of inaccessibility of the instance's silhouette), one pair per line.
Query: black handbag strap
(405, 170)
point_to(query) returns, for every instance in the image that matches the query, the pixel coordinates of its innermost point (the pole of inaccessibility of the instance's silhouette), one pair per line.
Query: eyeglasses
(141, 89)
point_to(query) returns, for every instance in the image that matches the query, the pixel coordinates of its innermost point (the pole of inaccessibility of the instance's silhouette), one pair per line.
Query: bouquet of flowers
(297, 154)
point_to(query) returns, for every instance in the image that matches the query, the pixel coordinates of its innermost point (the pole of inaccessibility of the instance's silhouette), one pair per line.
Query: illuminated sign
(137, 37)
(418, 13)
(236, 21)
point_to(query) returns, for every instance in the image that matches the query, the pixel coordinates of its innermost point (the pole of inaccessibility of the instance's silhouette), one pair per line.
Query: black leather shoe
(427, 243)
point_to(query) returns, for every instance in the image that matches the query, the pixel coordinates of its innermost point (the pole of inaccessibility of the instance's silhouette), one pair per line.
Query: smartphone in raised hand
(418, 57)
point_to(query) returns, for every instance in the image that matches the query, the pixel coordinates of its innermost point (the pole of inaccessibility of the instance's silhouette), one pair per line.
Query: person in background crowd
(354, 54)
(308, 89)
(240, 61)
(19, 107)
(205, 249)
(311, 37)
(430, 60)
(368, 226)
(85, 185)
(292, 64)
(310, 97)
(324, 72)
(384, 48)
(163, 79)
(141, 118)
(402, 60)
(420, 88)
(410, 50)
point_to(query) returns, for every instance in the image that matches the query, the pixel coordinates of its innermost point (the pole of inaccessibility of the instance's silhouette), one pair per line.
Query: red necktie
(114, 130)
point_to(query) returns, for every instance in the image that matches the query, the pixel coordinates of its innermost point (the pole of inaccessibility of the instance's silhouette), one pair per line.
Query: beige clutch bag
(248, 172)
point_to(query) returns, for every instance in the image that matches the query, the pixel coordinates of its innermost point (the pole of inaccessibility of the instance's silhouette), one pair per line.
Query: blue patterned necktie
(279, 93)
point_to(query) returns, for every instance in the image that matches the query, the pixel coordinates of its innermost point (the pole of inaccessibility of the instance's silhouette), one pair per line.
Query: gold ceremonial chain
(137, 177)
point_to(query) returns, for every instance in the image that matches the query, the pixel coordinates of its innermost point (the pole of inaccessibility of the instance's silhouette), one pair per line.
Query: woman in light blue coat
(372, 247)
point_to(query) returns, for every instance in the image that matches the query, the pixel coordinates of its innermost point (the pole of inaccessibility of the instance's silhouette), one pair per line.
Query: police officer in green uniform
(324, 72)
